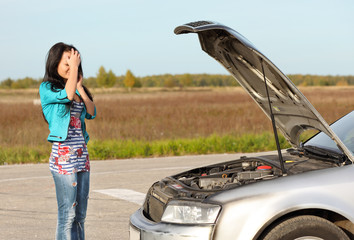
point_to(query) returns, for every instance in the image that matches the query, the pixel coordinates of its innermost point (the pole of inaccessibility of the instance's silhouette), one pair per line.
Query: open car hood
(293, 113)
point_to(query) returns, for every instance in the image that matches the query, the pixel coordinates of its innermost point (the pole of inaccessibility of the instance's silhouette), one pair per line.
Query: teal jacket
(54, 106)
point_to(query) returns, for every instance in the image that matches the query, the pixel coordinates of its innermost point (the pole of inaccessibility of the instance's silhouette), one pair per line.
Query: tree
(186, 80)
(6, 83)
(169, 82)
(101, 77)
(137, 83)
(129, 80)
(342, 83)
(90, 82)
(111, 79)
(105, 79)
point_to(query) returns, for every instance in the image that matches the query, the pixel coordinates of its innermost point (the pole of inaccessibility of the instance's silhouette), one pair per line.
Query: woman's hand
(74, 59)
(71, 84)
(90, 106)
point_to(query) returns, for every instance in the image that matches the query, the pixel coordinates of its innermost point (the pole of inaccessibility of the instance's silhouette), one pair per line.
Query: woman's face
(63, 66)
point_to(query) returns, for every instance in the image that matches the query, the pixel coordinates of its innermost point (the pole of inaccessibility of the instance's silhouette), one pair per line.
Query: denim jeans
(72, 195)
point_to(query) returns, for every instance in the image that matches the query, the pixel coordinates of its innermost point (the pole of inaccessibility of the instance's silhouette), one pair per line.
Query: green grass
(115, 149)
(24, 154)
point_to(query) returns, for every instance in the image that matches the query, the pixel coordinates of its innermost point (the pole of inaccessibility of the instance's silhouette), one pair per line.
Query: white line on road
(124, 194)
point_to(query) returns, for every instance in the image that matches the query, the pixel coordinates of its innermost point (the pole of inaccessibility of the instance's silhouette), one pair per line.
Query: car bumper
(142, 228)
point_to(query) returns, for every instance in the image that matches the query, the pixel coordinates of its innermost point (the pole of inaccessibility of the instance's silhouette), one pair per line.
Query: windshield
(344, 129)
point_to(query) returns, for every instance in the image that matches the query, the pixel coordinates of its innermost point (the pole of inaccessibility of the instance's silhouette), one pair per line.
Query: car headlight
(190, 212)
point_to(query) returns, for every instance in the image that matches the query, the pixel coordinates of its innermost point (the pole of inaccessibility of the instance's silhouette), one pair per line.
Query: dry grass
(152, 116)
(331, 102)
(161, 115)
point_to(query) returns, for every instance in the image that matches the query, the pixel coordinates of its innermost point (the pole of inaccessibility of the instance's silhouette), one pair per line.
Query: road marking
(124, 194)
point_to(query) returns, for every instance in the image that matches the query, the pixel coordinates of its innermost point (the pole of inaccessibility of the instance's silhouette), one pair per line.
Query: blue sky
(303, 36)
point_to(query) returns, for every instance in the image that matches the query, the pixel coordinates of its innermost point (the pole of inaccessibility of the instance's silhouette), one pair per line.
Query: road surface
(28, 203)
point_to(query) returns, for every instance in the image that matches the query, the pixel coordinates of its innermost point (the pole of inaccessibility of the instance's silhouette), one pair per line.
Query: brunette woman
(66, 103)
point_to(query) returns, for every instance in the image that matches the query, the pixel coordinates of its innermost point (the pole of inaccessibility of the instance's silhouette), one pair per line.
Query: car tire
(305, 228)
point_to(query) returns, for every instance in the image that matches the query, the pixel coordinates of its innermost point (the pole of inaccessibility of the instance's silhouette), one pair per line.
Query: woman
(65, 105)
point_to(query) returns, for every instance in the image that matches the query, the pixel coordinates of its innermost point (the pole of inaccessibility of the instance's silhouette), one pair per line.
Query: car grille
(155, 203)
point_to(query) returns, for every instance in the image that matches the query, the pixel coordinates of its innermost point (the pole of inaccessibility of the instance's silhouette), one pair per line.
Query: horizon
(222, 74)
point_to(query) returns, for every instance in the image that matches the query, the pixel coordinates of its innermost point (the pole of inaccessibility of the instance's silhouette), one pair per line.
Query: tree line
(107, 79)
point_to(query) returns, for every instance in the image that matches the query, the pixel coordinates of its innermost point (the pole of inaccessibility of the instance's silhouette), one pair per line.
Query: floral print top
(71, 156)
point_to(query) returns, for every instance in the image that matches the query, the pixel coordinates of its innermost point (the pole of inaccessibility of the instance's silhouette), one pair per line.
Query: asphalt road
(28, 203)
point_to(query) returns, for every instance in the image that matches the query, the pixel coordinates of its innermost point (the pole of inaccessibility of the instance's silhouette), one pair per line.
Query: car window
(344, 128)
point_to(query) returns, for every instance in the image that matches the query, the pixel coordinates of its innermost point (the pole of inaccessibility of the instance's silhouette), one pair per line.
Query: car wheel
(305, 228)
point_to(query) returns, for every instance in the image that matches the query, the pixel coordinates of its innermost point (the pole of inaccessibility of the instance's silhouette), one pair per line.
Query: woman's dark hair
(51, 68)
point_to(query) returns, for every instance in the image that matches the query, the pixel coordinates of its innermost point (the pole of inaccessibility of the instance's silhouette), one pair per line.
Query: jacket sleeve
(48, 96)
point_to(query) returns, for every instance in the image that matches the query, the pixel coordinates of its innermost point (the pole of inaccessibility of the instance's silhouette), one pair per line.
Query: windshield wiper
(324, 154)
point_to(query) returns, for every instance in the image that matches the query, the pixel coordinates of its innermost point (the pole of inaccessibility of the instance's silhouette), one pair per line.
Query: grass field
(151, 120)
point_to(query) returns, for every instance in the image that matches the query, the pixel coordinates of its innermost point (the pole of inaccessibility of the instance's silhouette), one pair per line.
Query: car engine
(229, 175)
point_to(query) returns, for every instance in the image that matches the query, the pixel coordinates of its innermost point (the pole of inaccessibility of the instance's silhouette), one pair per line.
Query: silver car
(306, 192)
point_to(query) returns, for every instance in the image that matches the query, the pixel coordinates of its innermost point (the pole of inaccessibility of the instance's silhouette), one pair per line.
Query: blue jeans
(72, 194)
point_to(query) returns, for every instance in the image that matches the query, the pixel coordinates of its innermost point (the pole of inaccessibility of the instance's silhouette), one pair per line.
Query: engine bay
(229, 175)
(244, 171)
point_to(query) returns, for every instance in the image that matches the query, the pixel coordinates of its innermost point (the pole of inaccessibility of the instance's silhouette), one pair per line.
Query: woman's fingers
(74, 59)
